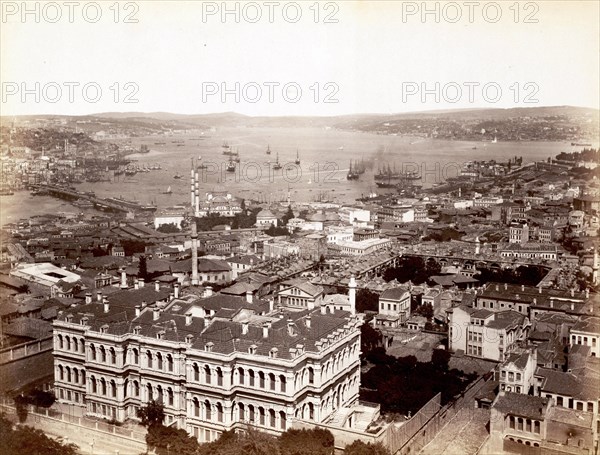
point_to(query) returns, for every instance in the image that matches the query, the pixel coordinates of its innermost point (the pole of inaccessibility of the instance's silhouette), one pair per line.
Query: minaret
(192, 185)
(477, 245)
(459, 191)
(595, 267)
(194, 253)
(352, 294)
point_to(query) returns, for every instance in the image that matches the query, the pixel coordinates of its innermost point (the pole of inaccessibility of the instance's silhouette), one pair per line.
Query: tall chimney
(106, 305)
(157, 286)
(290, 326)
(195, 281)
(192, 186)
(308, 321)
(249, 296)
(88, 297)
(135, 284)
(188, 319)
(138, 311)
(352, 294)
(176, 290)
(155, 314)
(99, 296)
(197, 196)
(141, 283)
(265, 329)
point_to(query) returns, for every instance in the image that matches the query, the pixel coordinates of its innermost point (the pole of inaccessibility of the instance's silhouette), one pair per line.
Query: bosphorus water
(325, 156)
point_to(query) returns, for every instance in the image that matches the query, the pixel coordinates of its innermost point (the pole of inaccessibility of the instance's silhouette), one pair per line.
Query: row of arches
(71, 374)
(101, 354)
(70, 343)
(102, 386)
(240, 412)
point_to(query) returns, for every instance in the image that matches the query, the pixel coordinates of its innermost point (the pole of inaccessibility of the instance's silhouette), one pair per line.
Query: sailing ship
(168, 191)
(352, 174)
(297, 158)
(277, 165)
(227, 149)
(177, 176)
(268, 149)
(144, 149)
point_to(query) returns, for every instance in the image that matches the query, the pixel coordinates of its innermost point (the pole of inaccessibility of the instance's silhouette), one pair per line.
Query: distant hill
(514, 124)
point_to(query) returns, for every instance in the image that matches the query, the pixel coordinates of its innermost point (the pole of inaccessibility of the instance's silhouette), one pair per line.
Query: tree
(288, 216)
(425, 310)
(360, 448)
(24, 289)
(168, 228)
(370, 338)
(440, 359)
(168, 440)
(151, 414)
(366, 301)
(143, 268)
(316, 441)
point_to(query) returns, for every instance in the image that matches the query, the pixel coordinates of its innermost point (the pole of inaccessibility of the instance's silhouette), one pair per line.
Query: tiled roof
(518, 404)
(394, 294)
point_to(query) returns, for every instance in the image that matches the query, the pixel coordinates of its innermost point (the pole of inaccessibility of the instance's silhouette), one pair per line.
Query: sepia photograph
(312, 227)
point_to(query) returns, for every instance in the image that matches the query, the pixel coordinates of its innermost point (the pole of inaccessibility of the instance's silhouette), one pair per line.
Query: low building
(299, 294)
(485, 334)
(352, 248)
(394, 307)
(265, 219)
(538, 251)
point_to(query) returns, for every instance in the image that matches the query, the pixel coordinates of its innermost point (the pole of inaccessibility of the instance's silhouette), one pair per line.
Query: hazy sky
(369, 56)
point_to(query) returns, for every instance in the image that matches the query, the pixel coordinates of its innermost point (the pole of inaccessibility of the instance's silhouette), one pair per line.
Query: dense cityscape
(466, 307)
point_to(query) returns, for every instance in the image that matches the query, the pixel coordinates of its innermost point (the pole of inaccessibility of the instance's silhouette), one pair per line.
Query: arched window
(75, 345)
(311, 375)
(102, 354)
(160, 398)
(242, 411)
(261, 415)
(159, 361)
(311, 411)
(92, 352)
(94, 384)
(149, 391)
(207, 410)
(136, 388)
(169, 362)
(207, 375)
(61, 373)
(136, 356)
(68, 370)
(272, 418)
(68, 341)
(75, 375)
(170, 397)
(241, 376)
(113, 356)
(219, 376)
(61, 344)
(251, 415)
(82, 345)
(282, 382)
(271, 381)
(219, 408)
(113, 389)
(126, 388)
(83, 377)
(103, 386)
(196, 372)
(148, 359)
(282, 420)
(196, 407)
(261, 379)
(251, 378)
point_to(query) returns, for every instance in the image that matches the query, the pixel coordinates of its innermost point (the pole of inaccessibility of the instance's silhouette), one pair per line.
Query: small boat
(230, 166)
(297, 158)
(352, 174)
(177, 176)
(268, 150)
(169, 191)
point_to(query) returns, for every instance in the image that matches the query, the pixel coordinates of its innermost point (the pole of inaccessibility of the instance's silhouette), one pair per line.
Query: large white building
(216, 364)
